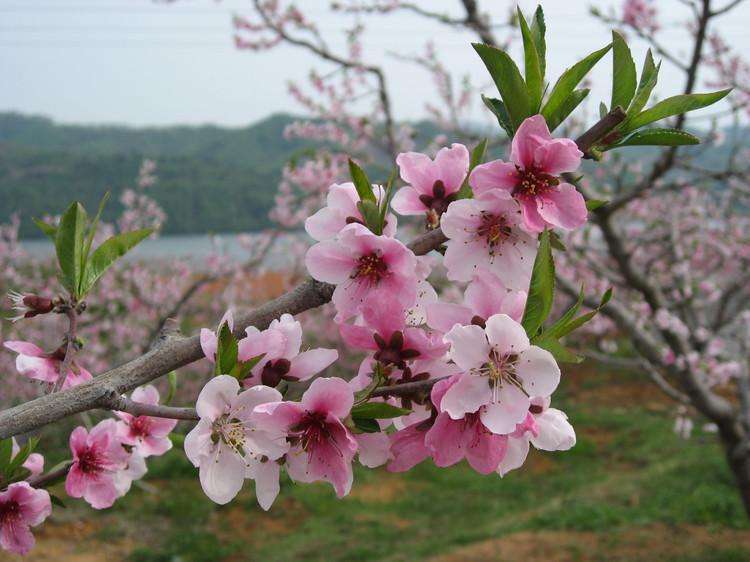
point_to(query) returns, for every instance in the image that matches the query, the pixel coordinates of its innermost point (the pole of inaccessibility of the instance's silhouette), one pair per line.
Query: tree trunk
(738, 457)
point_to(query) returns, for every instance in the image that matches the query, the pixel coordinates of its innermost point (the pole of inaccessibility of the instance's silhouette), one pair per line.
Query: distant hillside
(210, 178)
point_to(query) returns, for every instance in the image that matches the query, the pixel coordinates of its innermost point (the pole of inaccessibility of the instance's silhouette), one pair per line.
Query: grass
(629, 490)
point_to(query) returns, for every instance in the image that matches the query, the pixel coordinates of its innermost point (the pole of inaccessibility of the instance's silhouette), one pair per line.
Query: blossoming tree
(440, 380)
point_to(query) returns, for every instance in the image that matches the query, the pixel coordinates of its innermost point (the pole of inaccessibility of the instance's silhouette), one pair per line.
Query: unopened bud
(28, 306)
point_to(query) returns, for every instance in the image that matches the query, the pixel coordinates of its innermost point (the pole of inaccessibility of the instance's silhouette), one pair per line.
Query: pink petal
(461, 220)
(146, 394)
(563, 207)
(418, 170)
(38, 368)
(408, 448)
(77, 440)
(75, 378)
(466, 396)
(374, 449)
(222, 475)
(555, 431)
(532, 220)
(208, 344)
(266, 476)
(469, 347)
(492, 176)
(247, 400)
(329, 261)
(538, 371)
(484, 450)
(442, 316)
(558, 156)
(215, 398)
(453, 165)
(325, 224)
(198, 442)
(532, 134)
(406, 202)
(502, 416)
(445, 440)
(309, 363)
(25, 348)
(359, 337)
(506, 336)
(515, 455)
(329, 395)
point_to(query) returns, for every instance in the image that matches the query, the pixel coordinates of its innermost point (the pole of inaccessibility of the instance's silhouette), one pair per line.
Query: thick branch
(596, 133)
(42, 480)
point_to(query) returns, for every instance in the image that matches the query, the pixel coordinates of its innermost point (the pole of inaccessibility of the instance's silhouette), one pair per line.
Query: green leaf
(583, 319)
(366, 425)
(508, 80)
(567, 83)
(573, 100)
(649, 78)
(532, 66)
(57, 501)
(602, 110)
(378, 410)
(6, 450)
(676, 105)
(556, 242)
(497, 107)
(92, 229)
(538, 31)
(477, 157)
(242, 368)
(361, 182)
(657, 137)
(226, 351)
(172, 380)
(541, 289)
(69, 246)
(388, 196)
(23, 454)
(594, 204)
(561, 353)
(108, 253)
(49, 230)
(624, 77)
(371, 214)
(556, 330)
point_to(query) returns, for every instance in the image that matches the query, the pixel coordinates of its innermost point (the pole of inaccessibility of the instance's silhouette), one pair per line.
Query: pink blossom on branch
(532, 178)
(21, 507)
(149, 436)
(35, 363)
(321, 447)
(97, 456)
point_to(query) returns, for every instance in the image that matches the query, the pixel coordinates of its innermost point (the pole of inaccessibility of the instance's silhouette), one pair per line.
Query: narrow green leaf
(243, 368)
(538, 31)
(602, 110)
(172, 389)
(389, 192)
(108, 253)
(92, 229)
(568, 82)
(57, 501)
(649, 78)
(497, 107)
(594, 204)
(568, 106)
(556, 329)
(22, 455)
(657, 137)
(508, 80)
(366, 425)
(6, 450)
(226, 351)
(676, 105)
(561, 353)
(69, 246)
(378, 410)
(532, 66)
(584, 318)
(477, 157)
(624, 77)
(361, 182)
(371, 214)
(541, 289)
(49, 230)
(556, 242)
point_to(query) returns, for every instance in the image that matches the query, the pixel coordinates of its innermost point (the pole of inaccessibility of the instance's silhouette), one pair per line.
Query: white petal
(506, 336)
(538, 371)
(515, 455)
(555, 431)
(469, 347)
(222, 475)
(502, 416)
(466, 396)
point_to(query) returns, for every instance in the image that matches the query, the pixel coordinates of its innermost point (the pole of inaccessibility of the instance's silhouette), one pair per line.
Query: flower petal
(469, 347)
(538, 371)
(217, 396)
(329, 395)
(563, 207)
(506, 336)
(502, 416)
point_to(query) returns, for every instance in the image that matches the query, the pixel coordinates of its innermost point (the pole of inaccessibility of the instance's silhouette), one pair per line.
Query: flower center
(274, 371)
(230, 431)
(9, 512)
(494, 228)
(90, 462)
(437, 203)
(393, 352)
(372, 267)
(534, 182)
(500, 370)
(311, 432)
(141, 426)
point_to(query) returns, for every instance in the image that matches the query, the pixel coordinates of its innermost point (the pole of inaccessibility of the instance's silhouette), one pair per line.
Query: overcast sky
(141, 63)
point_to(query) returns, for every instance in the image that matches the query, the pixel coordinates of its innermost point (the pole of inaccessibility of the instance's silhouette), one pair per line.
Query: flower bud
(28, 306)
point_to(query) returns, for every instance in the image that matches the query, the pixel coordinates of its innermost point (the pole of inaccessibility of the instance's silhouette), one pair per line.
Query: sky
(140, 62)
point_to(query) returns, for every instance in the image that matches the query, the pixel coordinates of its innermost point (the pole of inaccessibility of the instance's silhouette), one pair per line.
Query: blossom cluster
(486, 389)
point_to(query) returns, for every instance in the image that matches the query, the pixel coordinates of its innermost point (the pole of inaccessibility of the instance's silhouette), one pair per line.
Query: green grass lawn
(629, 490)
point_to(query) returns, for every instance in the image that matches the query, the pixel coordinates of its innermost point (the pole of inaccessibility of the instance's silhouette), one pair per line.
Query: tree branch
(123, 404)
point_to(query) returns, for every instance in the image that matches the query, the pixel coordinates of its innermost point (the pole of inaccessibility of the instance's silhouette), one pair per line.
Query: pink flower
(148, 435)
(485, 296)
(433, 184)
(451, 440)
(321, 446)
(280, 346)
(34, 363)
(373, 449)
(532, 177)
(501, 370)
(97, 457)
(21, 507)
(135, 470)
(408, 447)
(34, 463)
(484, 234)
(366, 269)
(227, 446)
(385, 332)
(341, 210)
